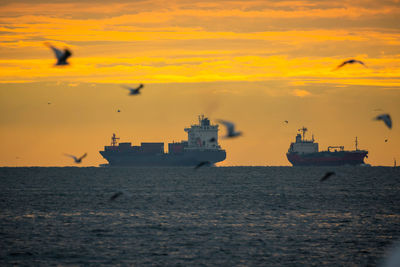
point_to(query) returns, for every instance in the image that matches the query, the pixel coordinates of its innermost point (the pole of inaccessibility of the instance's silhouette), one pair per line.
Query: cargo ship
(305, 153)
(201, 146)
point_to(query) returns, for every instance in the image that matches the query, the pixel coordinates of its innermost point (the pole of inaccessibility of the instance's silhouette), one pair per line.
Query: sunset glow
(257, 63)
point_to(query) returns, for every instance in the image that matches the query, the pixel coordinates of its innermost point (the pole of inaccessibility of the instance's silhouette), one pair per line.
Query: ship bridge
(202, 136)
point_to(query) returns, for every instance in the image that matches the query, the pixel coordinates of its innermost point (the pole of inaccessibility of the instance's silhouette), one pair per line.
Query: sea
(212, 216)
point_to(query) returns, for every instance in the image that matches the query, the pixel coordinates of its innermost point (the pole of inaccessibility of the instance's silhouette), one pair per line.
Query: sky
(256, 63)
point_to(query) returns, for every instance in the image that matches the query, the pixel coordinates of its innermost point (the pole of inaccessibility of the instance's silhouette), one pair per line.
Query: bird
(48, 103)
(327, 175)
(116, 195)
(386, 140)
(118, 110)
(212, 139)
(286, 122)
(386, 119)
(350, 61)
(61, 56)
(77, 160)
(201, 164)
(230, 128)
(134, 91)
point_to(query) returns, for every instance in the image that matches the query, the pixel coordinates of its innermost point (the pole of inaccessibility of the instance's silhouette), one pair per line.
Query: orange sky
(256, 63)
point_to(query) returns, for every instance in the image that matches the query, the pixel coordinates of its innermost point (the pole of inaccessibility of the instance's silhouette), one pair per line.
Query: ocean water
(231, 216)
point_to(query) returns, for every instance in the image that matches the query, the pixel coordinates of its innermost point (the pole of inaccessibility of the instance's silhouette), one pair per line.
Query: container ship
(201, 146)
(305, 153)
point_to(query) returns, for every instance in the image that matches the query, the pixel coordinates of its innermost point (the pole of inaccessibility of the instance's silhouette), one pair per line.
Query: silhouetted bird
(77, 160)
(327, 175)
(201, 164)
(286, 122)
(118, 110)
(386, 140)
(134, 91)
(351, 61)
(116, 195)
(212, 140)
(61, 56)
(386, 119)
(230, 128)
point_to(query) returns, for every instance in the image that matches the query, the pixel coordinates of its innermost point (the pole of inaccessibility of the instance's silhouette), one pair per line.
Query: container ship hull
(201, 146)
(162, 160)
(326, 158)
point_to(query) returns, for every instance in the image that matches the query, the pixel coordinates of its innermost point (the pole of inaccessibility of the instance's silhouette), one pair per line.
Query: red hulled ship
(305, 152)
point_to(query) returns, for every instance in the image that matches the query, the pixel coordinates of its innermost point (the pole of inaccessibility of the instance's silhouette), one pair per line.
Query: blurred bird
(230, 128)
(134, 91)
(60, 55)
(351, 61)
(48, 103)
(327, 175)
(386, 140)
(286, 122)
(77, 160)
(118, 110)
(212, 140)
(386, 119)
(116, 195)
(201, 164)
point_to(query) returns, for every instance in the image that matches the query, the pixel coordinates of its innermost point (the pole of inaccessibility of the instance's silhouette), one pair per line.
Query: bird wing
(386, 119)
(57, 52)
(362, 63)
(229, 125)
(326, 176)
(84, 155)
(139, 87)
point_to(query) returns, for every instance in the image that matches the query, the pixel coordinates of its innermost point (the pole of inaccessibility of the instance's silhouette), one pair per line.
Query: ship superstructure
(305, 152)
(201, 145)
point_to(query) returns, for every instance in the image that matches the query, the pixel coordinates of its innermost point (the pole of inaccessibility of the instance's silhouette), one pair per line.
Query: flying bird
(327, 175)
(134, 91)
(61, 56)
(77, 160)
(201, 164)
(350, 61)
(230, 128)
(386, 119)
(116, 195)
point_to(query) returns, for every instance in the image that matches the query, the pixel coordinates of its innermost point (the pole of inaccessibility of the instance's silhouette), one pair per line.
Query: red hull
(326, 158)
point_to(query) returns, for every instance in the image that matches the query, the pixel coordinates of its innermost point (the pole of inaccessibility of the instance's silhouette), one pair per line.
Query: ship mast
(303, 130)
(356, 143)
(114, 140)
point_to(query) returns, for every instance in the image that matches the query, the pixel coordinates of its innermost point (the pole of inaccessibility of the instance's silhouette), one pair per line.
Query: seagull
(60, 55)
(201, 164)
(386, 119)
(134, 91)
(327, 175)
(116, 195)
(230, 128)
(350, 61)
(77, 160)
